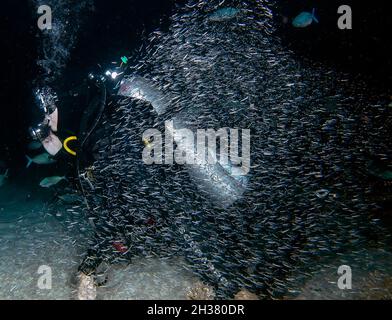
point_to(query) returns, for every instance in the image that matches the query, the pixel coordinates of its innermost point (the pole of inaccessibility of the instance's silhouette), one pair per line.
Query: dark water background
(116, 27)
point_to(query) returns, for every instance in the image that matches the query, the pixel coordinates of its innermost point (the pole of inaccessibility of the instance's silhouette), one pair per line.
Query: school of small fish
(313, 131)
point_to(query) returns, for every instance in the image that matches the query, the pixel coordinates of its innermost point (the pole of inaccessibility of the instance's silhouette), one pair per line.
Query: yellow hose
(65, 144)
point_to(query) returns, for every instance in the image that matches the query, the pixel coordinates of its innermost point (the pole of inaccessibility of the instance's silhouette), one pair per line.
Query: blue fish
(224, 14)
(305, 19)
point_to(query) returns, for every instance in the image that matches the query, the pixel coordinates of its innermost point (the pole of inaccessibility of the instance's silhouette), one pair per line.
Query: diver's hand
(86, 287)
(52, 144)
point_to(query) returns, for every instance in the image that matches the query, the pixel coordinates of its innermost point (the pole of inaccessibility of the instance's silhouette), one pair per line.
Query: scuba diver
(83, 127)
(109, 89)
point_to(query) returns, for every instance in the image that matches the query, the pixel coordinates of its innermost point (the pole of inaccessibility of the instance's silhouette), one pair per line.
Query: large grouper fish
(304, 199)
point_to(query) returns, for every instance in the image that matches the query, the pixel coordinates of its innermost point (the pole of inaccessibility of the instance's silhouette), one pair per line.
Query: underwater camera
(41, 131)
